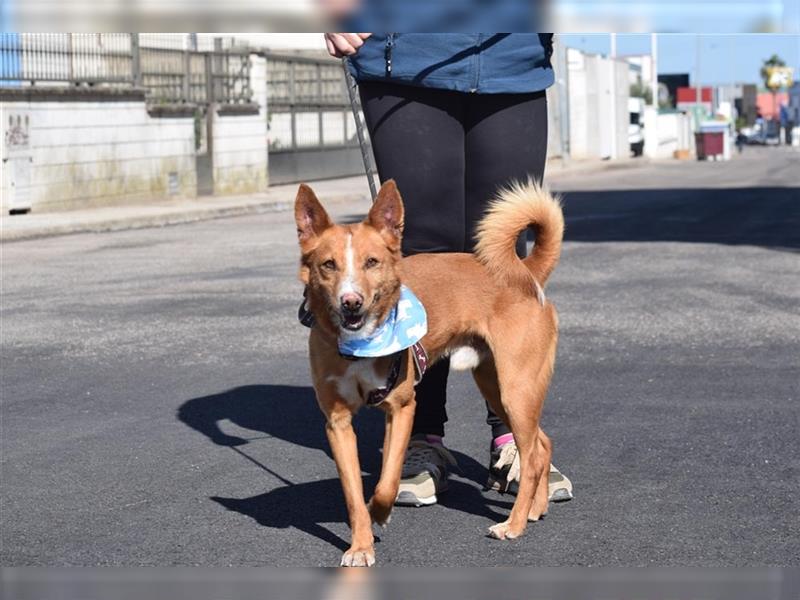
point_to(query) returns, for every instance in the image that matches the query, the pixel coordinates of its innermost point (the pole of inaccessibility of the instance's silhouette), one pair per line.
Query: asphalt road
(156, 407)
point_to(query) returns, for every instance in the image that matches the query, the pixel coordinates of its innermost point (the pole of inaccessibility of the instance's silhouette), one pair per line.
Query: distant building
(672, 81)
(687, 97)
(640, 68)
(747, 106)
(769, 104)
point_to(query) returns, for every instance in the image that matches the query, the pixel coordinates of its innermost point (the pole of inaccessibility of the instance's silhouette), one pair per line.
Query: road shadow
(291, 414)
(757, 216)
(283, 411)
(305, 506)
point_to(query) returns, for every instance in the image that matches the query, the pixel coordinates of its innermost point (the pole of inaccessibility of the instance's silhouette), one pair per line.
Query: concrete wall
(598, 106)
(239, 146)
(664, 134)
(578, 104)
(555, 146)
(94, 152)
(65, 148)
(622, 146)
(239, 150)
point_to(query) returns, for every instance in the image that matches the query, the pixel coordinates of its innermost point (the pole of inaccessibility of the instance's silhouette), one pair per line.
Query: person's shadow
(291, 413)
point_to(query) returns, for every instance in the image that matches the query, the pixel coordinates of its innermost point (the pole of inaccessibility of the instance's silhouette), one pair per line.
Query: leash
(355, 106)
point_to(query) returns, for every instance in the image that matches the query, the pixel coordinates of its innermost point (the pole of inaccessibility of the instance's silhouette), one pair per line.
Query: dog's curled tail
(517, 207)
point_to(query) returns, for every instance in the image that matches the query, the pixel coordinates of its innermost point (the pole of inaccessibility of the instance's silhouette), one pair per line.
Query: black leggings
(449, 152)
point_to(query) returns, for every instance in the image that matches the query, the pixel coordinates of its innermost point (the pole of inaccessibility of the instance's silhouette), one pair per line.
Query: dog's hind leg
(543, 457)
(545, 453)
(523, 377)
(517, 402)
(485, 375)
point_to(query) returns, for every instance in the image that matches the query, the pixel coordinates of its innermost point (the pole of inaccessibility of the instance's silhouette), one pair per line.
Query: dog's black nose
(352, 302)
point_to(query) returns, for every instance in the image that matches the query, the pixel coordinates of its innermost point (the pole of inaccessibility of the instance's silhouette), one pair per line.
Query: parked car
(763, 133)
(636, 125)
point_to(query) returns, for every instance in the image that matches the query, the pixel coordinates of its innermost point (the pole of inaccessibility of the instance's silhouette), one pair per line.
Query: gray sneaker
(504, 475)
(425, 472)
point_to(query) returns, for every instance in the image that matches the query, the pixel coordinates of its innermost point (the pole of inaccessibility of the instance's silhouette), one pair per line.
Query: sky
(728, 58)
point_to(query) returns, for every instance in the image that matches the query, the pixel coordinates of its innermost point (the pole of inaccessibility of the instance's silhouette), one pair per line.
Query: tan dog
(491, 302)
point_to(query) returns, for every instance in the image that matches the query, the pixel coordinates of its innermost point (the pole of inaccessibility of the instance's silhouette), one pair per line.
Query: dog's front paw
(503, 531)
(358, 557)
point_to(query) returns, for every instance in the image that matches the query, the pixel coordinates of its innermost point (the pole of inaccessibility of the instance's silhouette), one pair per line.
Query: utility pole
(613, 54)
(654, 67)
(699, 96)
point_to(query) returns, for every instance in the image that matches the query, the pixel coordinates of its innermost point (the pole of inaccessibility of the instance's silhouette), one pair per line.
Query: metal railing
(168, 69)
(308, 104)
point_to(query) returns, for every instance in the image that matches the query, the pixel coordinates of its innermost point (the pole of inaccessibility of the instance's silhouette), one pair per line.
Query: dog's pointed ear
(386, 214)
(310, 217)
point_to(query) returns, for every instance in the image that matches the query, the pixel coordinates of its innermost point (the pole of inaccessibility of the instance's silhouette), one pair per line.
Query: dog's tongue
(352, 319)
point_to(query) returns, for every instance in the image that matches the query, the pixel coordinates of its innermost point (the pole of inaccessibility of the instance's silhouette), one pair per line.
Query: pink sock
(434, 439)
(502, 440)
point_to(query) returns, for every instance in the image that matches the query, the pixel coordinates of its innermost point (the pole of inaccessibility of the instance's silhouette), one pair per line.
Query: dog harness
(403, 329)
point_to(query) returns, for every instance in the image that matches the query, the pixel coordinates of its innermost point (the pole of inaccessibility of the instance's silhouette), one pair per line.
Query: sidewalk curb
(557, 168)
(177, 217)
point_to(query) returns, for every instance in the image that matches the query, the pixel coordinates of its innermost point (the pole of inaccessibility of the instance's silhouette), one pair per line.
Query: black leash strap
(355, 106)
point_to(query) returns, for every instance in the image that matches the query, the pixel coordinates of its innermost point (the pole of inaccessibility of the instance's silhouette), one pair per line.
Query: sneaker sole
(410, 499)
(407, 498)
(561, 495)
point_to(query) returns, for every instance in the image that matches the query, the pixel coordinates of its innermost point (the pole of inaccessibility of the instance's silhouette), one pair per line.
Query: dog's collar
(303, 314)
(420, 358)
(380, 394)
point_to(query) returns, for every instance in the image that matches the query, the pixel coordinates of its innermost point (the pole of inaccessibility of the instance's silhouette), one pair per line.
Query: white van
(636, 125)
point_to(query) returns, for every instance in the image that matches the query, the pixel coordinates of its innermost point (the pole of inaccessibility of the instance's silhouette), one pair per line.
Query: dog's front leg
(399, 420)
(342, 439)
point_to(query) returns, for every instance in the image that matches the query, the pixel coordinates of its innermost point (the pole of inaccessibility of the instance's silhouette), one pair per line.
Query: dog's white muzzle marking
(348, 283)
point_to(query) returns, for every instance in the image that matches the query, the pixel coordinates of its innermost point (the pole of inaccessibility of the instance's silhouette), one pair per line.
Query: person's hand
(344, 44)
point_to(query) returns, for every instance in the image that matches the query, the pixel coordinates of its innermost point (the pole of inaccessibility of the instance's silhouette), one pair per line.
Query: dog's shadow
(290, 413)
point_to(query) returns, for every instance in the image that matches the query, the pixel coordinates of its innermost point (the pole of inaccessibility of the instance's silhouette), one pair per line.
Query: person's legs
(418, 140)
(506, 140)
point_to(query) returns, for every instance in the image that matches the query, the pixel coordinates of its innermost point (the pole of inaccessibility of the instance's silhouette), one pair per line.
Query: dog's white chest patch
(464, 358)
(360, 373)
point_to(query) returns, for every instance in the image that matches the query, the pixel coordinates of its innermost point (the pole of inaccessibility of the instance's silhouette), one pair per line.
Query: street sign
(779, 77)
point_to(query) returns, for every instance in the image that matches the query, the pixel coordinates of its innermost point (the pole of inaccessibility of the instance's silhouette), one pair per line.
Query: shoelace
(509, 457)
(422, 454)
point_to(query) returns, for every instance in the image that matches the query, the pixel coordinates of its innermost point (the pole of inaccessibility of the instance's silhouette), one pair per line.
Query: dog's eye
(371, 262)
(329, 265)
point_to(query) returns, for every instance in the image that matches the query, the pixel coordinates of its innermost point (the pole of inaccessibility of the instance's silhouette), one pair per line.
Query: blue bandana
(406, 324)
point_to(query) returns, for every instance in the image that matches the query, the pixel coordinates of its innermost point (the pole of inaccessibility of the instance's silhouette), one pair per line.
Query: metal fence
(168, 67)
(308, 104)
(311, 128)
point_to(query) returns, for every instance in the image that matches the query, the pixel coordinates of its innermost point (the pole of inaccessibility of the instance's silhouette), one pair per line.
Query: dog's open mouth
(352, 322)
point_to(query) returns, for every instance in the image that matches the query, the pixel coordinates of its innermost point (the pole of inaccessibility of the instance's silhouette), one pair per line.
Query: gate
(310, 126)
